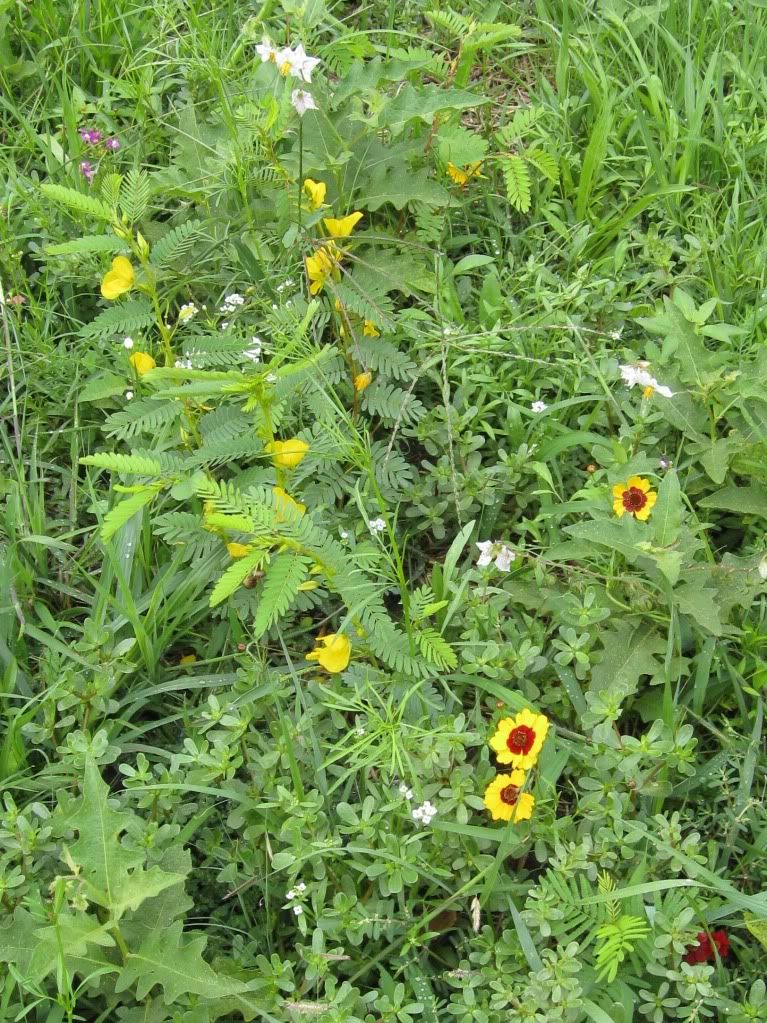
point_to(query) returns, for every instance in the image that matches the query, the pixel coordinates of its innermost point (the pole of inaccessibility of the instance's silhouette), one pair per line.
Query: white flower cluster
(376, 526)
(539, 406)
(128, 343)
(424, 814)
(183, 364)
(232, 303)
(500, 553)
(405, 791)
(294, 893)
(187, 311)
(294, 62)
(639, 376)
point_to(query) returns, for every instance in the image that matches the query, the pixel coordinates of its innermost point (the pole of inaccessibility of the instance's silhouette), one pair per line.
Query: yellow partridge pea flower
(119, 279)
(505, 800)
(369, 329)
(316, 191)
(142, 362)
(343, 227)
(362, 380)
(284, 502)
(635, 497)
(518, 740)
(462, 177)
(320, 267)
(238, 550)
(332, 652)
(287, 454)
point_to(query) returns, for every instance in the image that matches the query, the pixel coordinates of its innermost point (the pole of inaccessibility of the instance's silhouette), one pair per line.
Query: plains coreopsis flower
(302, 101)
(332, 652)
(635, 497)
(505, 799)
(119, 279)
(500, 553)
(287, 454)
(518, 740)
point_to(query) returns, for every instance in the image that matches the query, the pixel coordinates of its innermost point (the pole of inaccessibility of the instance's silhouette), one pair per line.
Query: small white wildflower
(639, 376)
(376, 526)
(405, 791)
(360, 731)
(539, 406)
(267, 51)
(128, 395)
(762, 569)
(302, 101)
(224, 325)
(298, 910)
(425, 813)
(616, 334)
(271, 378)
(128, 342)
(302, 64)
(494, 551)
(187, 312)
(301, 886)
(290, 895)
(344, 534)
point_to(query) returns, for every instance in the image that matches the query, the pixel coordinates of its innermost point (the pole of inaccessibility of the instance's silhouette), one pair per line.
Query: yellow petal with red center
(142, 362)
(505, 800)
(533, 729)
(342, 227)
(119, 279)
(618, 507)
(333, 652)
(619, 489)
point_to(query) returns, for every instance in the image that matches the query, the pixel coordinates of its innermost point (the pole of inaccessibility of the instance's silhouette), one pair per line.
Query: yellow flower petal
(369, 329)
(287, 454)
(505, 800)
(316, 191)
(518, 740)
(119, 279)
(342, 227)
(238, 550)
(618, 507)
(639, 483)
(462, 177)
(284, 502)
(333, 652)
(362, 380)
(188, 659)
(619, 490)
(142, 362)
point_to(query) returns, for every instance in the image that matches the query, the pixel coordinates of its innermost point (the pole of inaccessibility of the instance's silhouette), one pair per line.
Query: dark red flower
(703, 952)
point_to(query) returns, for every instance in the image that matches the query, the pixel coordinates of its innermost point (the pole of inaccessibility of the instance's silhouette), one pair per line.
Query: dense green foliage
(248, 690)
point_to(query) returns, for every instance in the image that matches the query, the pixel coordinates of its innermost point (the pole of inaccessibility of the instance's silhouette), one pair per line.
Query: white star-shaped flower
(302, 65)
(302, 101)
(267, 51)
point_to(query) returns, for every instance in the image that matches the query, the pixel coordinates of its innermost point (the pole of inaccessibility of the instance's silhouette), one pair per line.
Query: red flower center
(521, 739)
(509, 795)
(634, 499)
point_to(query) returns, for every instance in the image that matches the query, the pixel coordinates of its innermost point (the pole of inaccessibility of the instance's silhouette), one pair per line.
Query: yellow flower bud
(238, 550)
(142, 362)
(362, 380)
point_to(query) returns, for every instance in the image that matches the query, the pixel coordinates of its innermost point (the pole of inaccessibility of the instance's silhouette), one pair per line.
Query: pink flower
(88, 170)
(112, 144)
(91, 136)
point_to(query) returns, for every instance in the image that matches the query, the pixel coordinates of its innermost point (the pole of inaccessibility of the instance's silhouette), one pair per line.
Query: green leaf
(88, 243)
(176, 243)
(702, 604)
(628, 654)
(423, 103)
(134, 198)
(34, 945)
(176, 964)
(285, 574)
(78, 201)
(516, 177)
(122, 318)
(399, 186)
(138, 464)
(666, 518)
(544, 162)
(113, 872)
(124, 511)
(235, 575)
(750, 500)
